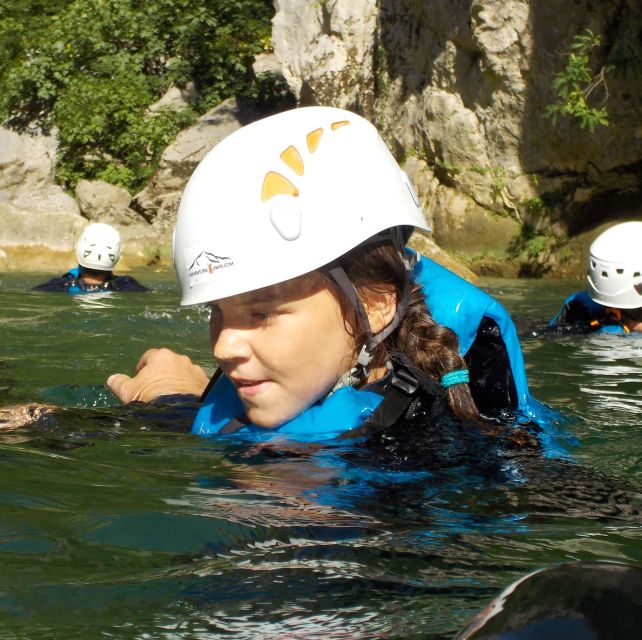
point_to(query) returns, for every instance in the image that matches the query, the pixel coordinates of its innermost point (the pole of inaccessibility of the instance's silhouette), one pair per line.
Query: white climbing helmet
(284, 196)
(615, 267)
(98, 247)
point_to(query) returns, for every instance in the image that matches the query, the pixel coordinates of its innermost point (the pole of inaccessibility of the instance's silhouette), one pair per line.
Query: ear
(380, 306)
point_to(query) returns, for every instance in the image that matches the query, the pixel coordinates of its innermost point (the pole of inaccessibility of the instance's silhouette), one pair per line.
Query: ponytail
(430, 347)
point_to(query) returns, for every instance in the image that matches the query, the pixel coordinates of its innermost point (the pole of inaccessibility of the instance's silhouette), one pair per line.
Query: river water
(118, 524)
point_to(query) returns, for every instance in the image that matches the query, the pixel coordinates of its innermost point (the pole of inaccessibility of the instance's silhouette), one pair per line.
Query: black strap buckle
(404, 381)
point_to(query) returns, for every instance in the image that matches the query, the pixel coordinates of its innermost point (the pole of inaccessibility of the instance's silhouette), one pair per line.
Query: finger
(117, 383)
(145, 358)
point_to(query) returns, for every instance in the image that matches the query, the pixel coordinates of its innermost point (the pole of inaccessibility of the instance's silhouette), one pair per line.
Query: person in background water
(612, 303)
(98, 252)
(293, 231)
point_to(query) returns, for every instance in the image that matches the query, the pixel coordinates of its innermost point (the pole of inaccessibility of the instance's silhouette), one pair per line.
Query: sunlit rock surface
(459, 91)
(464, 87)
(160, 199)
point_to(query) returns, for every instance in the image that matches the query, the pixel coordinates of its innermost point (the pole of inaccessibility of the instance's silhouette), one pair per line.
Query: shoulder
(578, 314)
(59, 283)
(430, 437)
(126, 283)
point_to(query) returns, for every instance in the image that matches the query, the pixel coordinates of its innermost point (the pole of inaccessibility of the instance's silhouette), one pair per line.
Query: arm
(577, 314)
(159, 372)
(54, 285)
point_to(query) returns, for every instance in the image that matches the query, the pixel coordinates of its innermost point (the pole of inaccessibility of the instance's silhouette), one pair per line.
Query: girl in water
(293, 231)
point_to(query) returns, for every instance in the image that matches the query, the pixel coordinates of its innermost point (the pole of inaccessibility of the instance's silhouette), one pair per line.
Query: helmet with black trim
(98, 247)
(615, 267)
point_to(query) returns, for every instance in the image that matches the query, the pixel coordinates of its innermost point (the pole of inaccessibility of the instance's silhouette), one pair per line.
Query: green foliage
(479, 168)
(575, 84)
(534, 205)
(536, 245)
(498, 182)
(532, 245)
(91, 68)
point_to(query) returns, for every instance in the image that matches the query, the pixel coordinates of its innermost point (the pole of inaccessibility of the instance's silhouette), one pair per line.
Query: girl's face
(284, 346)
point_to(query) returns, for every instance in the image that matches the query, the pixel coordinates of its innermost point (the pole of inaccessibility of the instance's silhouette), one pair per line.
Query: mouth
(249, 388)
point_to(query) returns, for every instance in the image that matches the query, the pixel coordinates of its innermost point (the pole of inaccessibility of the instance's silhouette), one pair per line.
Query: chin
(267, 420)
(259, 419)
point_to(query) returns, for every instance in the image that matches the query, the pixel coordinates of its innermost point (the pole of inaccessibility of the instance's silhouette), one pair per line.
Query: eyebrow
(262, 298)
(280, 293)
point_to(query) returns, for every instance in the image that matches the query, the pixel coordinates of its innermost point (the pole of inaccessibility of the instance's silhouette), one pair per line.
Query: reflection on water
(93, 300)
(117, 522)
(612, 370)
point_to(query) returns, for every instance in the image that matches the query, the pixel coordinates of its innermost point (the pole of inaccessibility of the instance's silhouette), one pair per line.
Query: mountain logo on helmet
(205, 265)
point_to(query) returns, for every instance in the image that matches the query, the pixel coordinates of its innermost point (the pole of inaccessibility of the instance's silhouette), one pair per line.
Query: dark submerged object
(574, 601)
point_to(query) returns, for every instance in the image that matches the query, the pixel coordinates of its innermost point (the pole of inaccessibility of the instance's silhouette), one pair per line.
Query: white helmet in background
(615, 267)
(98, 247)
(284, 196)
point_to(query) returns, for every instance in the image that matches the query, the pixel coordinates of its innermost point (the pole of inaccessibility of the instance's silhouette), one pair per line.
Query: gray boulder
(103, 202)
(159, 200)
(33, 209)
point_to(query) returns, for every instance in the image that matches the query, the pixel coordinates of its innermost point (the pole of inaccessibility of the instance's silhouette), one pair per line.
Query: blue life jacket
(75, 289)
(452, 302)
(600, 319)
(461, 306)
(345, 409)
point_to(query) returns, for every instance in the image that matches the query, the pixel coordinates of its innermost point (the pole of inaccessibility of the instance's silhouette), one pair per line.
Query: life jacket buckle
(404, 381)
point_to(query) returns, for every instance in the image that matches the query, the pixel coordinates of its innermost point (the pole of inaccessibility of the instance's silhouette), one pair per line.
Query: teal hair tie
(454, 377)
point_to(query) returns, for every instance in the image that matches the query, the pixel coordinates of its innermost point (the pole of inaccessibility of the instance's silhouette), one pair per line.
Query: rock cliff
(459, 89)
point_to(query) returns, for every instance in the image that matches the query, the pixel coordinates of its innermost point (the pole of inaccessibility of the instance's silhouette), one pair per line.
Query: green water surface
(117, 523)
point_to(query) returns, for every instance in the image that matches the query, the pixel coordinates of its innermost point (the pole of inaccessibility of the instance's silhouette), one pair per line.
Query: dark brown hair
(430, 347)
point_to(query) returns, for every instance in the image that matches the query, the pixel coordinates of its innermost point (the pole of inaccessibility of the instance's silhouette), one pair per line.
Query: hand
(20, 415)
(159, 372)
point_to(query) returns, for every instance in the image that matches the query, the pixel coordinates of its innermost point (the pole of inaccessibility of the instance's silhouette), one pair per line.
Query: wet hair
(632, 314)
(95, 272)
(430, 347)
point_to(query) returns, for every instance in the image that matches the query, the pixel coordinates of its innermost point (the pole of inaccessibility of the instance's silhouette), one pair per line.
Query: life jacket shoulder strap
(406, 384)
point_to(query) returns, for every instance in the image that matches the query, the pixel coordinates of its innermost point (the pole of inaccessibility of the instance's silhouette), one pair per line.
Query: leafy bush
(91, 68)
(577, 81)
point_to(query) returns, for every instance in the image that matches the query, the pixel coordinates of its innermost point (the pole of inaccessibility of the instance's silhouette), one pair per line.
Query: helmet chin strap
(360, 372)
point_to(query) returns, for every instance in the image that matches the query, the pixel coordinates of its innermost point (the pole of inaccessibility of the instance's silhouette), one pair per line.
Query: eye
(262, 316)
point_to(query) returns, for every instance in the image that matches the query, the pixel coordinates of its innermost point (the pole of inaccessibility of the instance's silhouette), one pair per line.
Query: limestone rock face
(463, 86)
(159, 200)
(459, 91)
(103, 202)
(327, 50)
(40, 223)
(34, 210)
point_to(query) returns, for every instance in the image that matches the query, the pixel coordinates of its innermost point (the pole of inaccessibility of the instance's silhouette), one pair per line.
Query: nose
(230, 344)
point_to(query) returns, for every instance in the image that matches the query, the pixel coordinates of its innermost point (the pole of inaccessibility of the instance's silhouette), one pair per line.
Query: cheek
(332, 348)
